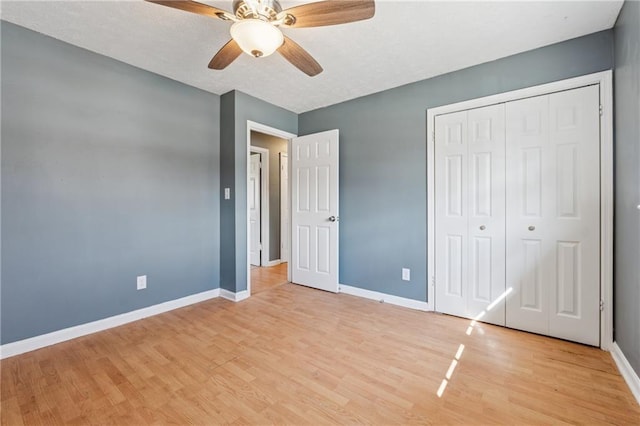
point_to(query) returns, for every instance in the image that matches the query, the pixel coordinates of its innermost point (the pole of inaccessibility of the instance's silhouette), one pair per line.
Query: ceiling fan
(256, 23)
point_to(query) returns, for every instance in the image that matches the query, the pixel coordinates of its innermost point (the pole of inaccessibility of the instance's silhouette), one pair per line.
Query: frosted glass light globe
(257, 37)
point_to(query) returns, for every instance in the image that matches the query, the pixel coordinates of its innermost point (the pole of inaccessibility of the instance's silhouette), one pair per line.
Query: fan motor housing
(258, 9)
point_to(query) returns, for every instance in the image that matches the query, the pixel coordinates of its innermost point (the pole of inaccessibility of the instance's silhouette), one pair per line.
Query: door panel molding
(605, 86)
(470, 241)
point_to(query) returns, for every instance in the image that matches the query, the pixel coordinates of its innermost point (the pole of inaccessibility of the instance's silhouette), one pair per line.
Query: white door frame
(283, 235)
(262, 128)
(264, 202)
(605, 81)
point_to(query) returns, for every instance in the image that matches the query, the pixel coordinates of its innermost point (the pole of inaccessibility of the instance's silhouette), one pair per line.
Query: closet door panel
(486, 226)
(575, 138)
(451, 237)
(530, 174)
(553, 205)
(470, 246)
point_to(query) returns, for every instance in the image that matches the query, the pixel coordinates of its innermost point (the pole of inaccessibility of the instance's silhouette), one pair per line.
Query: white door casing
(254, 209)
(553, 214)
(284, 207)
(314, 210)
(469, 238)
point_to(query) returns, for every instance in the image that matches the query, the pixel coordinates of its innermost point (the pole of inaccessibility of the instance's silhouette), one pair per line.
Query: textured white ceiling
(406, 41)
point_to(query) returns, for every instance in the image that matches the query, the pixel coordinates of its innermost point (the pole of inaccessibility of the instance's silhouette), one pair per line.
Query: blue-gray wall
(108, 172)
(237, 109)
(383, 207)
(627, 182)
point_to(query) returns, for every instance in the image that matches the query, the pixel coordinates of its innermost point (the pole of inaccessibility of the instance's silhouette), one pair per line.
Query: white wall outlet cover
(141, 282)
(227, 193)
(406, 274)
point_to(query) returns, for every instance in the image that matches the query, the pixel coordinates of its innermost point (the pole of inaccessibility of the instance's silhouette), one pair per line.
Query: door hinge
(601, 109)
(602, 305)
(433, 280)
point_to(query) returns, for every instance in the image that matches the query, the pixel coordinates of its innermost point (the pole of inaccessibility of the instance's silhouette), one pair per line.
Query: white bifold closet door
(553, 214)
(517, 214)
(470, 214)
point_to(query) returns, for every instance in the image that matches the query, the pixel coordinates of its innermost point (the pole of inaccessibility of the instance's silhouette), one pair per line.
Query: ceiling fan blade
(225, 56)
(195, 7)
(299, 57)
(328, 12)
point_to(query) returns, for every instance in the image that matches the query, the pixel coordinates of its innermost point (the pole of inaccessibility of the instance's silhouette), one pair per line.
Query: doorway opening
(268, 223)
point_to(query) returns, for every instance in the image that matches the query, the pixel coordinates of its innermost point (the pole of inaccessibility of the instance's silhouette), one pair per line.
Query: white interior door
(284, 207)
(314, 210)
(254, 210)
(553, 207)
(470, 240)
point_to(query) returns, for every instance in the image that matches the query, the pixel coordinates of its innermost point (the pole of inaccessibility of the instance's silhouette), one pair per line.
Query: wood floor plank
(294, 355)
(265, 278)
(11, 413)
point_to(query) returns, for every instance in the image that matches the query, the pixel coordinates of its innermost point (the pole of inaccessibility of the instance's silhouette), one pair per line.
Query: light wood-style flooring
(294, 355)
(263, 278)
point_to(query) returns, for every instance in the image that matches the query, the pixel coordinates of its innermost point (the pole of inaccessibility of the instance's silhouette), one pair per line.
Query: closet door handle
(482, 227)
(531, 228)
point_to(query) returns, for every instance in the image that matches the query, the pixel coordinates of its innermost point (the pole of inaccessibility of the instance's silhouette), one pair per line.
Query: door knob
(482, 227)
(531, 228)
(333, 219)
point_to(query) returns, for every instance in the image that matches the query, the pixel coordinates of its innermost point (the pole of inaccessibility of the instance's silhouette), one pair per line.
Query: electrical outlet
(406, 274)
(141, 282)
(227, 193)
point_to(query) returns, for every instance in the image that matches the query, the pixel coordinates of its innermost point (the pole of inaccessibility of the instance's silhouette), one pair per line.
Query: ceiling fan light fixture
(257, 37)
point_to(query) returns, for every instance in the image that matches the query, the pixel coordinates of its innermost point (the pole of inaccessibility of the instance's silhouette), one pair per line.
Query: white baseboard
(630, 376)
(234, 297)
(383, 297)
(270, 263)
(37, 342)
